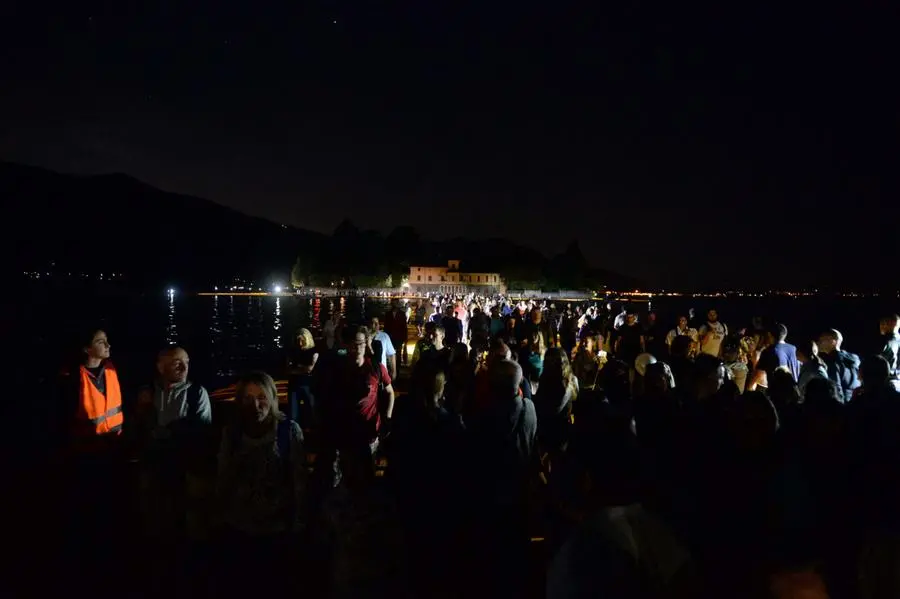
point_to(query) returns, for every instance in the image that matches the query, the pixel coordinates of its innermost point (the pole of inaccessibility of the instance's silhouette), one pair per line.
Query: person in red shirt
(358, 417)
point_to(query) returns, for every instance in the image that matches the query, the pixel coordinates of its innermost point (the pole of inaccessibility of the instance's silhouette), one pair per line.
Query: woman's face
(99, 347)
(255, 403)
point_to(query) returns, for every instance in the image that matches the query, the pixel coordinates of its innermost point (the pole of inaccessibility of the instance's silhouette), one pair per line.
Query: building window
(479, 278)
(419, 278)
(429, 278)
(495, 278)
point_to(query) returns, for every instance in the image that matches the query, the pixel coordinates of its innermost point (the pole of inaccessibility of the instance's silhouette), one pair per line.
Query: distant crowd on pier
(472, 446)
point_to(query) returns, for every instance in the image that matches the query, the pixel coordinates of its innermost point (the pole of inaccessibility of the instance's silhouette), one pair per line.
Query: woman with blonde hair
(301, 361)
(261, 477)
(303, 356)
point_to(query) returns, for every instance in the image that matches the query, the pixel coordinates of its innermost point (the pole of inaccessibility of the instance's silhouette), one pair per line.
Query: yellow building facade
(450, 279)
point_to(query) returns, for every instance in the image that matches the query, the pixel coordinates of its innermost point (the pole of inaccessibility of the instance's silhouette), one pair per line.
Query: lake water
(226, 335)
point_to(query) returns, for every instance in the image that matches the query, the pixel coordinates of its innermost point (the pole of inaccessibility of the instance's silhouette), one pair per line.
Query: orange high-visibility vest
(100, 413)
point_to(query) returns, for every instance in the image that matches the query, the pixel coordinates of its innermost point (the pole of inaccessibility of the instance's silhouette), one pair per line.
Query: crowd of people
(641, 460)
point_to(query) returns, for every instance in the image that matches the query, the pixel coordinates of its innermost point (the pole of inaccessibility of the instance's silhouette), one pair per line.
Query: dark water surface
(226, 335)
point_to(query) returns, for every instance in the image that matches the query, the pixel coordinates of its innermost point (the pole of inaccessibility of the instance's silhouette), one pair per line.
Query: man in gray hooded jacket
(174, 415)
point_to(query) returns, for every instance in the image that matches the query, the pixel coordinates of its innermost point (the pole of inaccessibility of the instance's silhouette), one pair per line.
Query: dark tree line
(160, 239)
(355, 257)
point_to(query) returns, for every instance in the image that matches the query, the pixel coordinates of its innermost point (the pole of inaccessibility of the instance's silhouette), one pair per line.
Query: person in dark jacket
(503, 460)
(453, 327)
(843, 367)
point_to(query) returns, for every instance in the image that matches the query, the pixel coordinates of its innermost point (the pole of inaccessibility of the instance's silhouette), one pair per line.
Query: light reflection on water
(226, 335)
(214, 327)
(172, 326)
(253, 332)
(315, 310)
(277, 325)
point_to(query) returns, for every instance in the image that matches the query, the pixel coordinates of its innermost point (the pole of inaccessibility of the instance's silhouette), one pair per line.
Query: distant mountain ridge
(117, 223)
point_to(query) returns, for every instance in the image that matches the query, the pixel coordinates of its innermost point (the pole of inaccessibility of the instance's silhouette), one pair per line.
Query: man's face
(630, 319)
(682, 322)
(357, 349)
(376, 325)
(712, 316)
(651, 318)
(827, 344)
(173, 366)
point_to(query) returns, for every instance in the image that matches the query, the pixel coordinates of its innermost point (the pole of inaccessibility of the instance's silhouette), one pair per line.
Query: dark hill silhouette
(116, 223)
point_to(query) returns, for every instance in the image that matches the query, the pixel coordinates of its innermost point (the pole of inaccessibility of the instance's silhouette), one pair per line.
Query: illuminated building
(449, 279)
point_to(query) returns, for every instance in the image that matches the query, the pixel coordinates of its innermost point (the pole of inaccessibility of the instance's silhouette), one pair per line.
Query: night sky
(718, 145)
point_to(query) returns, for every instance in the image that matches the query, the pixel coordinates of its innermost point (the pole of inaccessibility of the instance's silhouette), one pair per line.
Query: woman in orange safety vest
(94, 472)
(99, 412)
(95, 477)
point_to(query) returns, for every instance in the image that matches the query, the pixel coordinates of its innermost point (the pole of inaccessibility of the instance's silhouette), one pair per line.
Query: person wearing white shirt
(388, 351)
(682, 330)
(712, 334)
